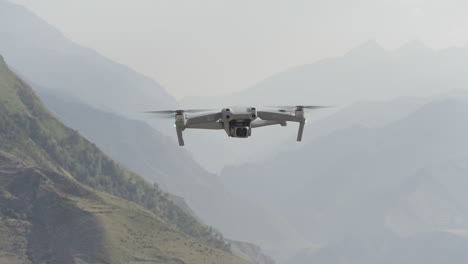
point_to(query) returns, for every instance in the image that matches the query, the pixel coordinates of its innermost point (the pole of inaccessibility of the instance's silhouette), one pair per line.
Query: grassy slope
(48, 217)
(35, 139)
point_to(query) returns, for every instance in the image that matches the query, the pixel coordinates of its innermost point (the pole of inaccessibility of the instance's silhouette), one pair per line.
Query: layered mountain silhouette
(433, 248)
(102, 100)
(157, 158)
(337, 173)
(372, 177)
(38, 51)
(64, 201)
(384, 187)
(367, 72)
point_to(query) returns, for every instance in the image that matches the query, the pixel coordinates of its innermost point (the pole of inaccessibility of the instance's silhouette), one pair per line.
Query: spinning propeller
(172, 113)
(291, 108)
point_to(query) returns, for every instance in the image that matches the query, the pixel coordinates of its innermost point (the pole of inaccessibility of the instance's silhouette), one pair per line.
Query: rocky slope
(159, 159)
(63, 200)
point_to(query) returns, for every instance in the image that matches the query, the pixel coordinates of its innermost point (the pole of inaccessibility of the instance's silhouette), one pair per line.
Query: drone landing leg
(180, 137)
(301, 130)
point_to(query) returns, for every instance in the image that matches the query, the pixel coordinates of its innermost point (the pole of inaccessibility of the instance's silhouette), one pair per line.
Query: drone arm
(280, 117)
(262, 123)
(180, 137)
(192, 122)
(211, 125)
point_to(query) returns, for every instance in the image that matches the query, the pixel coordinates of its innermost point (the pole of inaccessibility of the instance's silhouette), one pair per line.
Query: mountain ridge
(351, 164)
(42, 150)
(153, 156)
(80, 71)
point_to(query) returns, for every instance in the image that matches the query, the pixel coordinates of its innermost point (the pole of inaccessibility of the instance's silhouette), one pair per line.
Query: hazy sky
(216, 46)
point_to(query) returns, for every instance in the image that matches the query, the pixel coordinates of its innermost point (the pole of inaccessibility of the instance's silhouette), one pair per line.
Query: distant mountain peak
(368, 48)
(413, 46)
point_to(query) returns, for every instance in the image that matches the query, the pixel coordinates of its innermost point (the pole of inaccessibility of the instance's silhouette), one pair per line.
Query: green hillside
(50, 215)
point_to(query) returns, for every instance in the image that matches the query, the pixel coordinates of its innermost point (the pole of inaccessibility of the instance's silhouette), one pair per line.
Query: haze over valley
(87, 177)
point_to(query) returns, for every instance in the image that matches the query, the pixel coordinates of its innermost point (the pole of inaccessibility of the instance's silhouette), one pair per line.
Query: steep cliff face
(48, 217)
(112, 97)
(64, 201)
(158, 159)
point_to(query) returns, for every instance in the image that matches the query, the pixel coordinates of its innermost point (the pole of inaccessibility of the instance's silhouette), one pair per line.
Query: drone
(238, 122)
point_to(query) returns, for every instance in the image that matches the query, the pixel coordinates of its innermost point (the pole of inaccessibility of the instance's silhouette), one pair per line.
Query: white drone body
(237, 121)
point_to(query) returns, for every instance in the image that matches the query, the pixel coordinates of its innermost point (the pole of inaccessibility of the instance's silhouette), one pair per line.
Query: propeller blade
(161, 112)
(173, 112)
(291, 108)
(315, 106)
(193, 111)
(162, 115)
